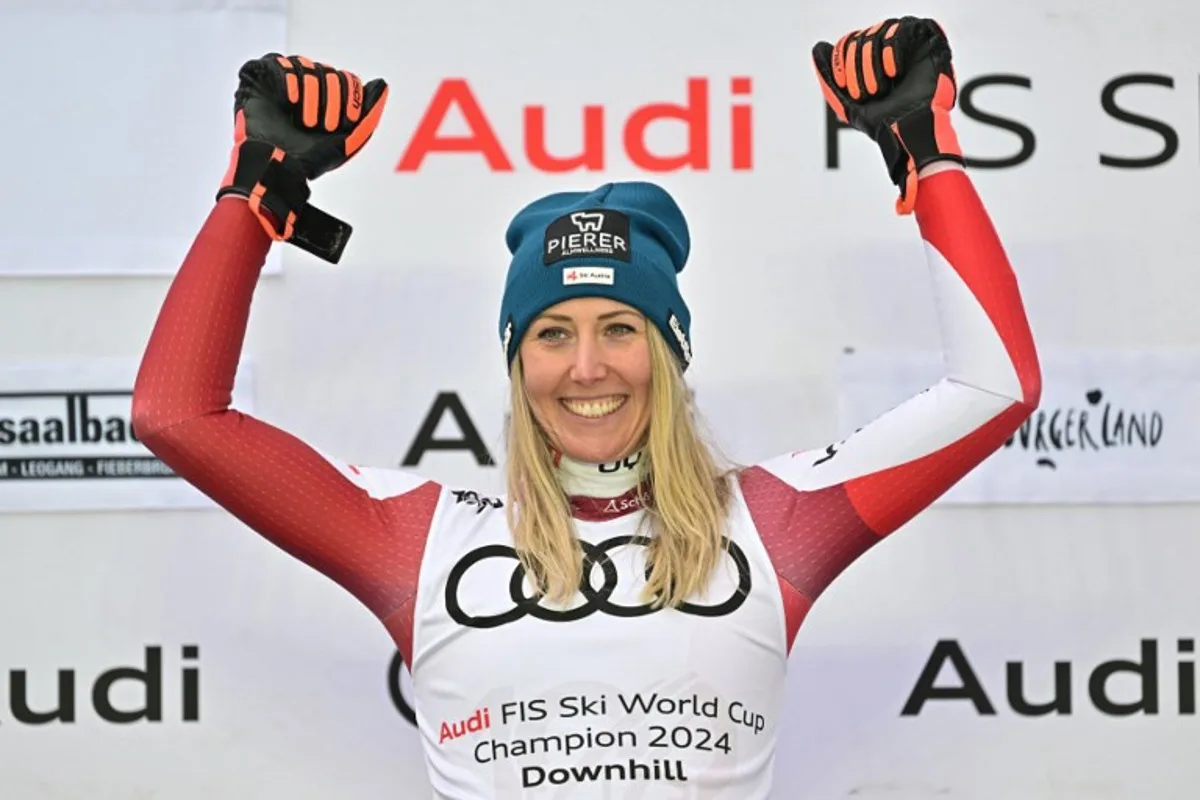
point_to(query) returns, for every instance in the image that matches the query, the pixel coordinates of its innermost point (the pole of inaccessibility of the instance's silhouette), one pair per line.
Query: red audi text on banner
(454, 96)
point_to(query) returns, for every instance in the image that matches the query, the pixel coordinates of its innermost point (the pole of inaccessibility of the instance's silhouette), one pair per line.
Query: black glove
(895, 83)
(293, 121)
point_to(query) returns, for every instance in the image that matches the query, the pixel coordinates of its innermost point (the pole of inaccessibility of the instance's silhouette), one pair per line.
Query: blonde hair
(686, 506)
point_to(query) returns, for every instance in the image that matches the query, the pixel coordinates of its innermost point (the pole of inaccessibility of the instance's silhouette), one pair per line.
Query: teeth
(594, 408)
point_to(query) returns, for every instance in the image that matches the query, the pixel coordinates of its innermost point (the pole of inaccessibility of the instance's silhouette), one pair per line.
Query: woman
(619, 623)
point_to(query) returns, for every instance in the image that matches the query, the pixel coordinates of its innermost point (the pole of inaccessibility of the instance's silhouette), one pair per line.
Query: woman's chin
(593, 454)
(595, 449)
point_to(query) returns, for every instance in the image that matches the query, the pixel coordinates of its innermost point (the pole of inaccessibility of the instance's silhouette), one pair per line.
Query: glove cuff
(918, 138)
(273, 183)
(277, 190)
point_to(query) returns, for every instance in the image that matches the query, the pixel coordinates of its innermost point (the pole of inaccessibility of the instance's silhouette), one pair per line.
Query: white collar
(581, 479)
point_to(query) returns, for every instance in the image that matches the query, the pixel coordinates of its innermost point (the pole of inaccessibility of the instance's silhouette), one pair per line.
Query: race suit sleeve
(363, 528)
(817, 511)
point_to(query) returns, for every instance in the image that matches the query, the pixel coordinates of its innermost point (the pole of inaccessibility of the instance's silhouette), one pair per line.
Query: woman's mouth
(594, 408)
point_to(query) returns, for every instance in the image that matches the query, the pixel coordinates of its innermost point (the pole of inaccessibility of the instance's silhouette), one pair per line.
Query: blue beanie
(624, 241)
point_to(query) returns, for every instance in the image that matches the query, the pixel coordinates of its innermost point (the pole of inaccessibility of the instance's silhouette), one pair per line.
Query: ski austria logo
(593, 232)
(598, 275)
(73, 434)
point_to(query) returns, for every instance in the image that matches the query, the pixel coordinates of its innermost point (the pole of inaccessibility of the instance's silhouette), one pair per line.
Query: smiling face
(586, 364)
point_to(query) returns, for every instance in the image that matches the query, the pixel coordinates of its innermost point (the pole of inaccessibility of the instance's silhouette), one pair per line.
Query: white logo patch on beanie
(684, 346)
(507, 336)
(590, 232)
(597, 275)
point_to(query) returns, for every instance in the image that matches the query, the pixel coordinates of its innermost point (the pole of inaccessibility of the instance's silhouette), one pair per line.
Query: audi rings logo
(596, 599)
(399, 682)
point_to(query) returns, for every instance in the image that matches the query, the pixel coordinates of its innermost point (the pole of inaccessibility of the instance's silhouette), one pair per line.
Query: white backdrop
(793, 263)
(114, 128)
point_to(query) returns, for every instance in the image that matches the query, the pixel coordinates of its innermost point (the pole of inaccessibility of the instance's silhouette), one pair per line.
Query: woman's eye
(621, 329)
(551, 334)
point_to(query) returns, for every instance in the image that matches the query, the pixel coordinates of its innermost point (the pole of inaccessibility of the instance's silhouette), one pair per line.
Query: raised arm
(819, 510)
(364, 529)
